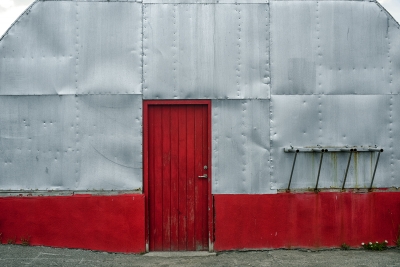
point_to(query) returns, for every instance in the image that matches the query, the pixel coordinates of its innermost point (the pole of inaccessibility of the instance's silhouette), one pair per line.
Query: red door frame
(146, 104)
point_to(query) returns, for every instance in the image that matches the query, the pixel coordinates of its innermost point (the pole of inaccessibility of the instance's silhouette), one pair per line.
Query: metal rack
(323, 150)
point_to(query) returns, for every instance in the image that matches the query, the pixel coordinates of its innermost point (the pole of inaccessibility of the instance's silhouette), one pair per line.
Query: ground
(15, 255)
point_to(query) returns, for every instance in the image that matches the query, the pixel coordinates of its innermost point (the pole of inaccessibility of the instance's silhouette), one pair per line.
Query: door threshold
(172, 254)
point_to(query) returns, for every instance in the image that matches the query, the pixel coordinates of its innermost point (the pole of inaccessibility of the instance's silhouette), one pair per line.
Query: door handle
(205, 176)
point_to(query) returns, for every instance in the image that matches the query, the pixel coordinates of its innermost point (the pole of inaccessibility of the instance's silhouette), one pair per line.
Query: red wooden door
(177, 195)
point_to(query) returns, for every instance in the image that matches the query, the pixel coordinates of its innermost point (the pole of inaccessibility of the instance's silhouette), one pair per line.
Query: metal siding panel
(158, 36)
(294, 121)
(394, 56)
(109, 53)
(354, 53)
(293, 46)
(329, 121)
(37, 141)
(110, 141)
(319, 55)
(240, 130)
(37, 53)
(194, 57)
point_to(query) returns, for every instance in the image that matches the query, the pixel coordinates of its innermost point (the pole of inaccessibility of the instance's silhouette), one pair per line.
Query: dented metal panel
(109, 136)
(206, 51)
(108, 46)
(37, 142)
(240, 146)
(75, 48)
(70, 143)
(38, 52)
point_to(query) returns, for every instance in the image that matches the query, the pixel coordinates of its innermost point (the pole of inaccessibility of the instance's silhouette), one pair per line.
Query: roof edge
(387, 12)
(27, 10)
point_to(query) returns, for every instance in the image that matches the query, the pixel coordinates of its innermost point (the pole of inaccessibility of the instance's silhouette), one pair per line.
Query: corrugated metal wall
(73, 75)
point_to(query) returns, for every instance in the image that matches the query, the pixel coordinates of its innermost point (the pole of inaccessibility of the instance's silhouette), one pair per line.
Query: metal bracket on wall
(322, 150)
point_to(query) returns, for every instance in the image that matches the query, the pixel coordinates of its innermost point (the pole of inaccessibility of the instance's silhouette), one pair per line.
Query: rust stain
(335, 170)
(355, 158)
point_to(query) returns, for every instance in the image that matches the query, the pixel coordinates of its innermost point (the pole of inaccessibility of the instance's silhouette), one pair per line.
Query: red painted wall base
(109, 223)
(306, 220)
(117, 223)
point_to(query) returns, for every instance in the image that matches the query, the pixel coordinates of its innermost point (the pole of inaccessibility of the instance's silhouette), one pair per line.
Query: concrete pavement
(16, 256)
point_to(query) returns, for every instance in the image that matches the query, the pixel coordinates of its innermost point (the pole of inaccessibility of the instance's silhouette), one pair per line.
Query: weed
(26, 241)
(375, 246)
(397, 241)
(11, 241)
(344, 246)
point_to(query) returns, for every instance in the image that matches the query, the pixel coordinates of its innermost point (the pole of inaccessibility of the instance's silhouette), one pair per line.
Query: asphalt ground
(16, 256)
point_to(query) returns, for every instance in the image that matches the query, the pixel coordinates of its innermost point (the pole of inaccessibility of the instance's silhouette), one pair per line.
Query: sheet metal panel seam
(269, 63)
(142, 52)
(238, 69)
(175, 52)
(206, 4)
(392, 155)
(268, 42)
(319, 72)
(243, 138)
(319, 50)
(77, 171)
(90, 1)
(214, 153)
(391, 137)
(144, 42)
(389, 59)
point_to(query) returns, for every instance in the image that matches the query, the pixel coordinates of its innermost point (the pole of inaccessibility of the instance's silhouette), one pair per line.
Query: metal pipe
(347, 169)
(291, 174)
(376, 165)
(375, 149)
(319, 169)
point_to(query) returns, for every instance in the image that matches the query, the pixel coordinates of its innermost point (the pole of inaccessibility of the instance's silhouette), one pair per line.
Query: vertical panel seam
(244, 147)
(214, 151)
(319, 56)
(175, 51)
(76, 94)
(142, 46)
(392, 156)
(238, 67)
(268, 43)
(271, 168)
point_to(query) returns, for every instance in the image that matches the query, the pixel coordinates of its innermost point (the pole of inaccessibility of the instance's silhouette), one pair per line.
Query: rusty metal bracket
(319, 169)
(347, 168)
(291, 174)
(376, 165)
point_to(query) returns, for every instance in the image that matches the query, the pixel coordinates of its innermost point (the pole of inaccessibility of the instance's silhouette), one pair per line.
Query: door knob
(205, 176)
